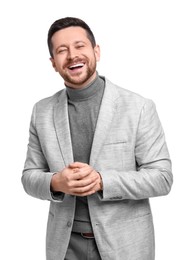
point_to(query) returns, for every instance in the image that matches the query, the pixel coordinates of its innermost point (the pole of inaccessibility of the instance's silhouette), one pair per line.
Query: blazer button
(69, 223)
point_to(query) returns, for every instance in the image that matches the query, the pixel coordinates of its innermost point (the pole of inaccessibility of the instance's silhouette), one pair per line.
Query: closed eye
(62, 50)
(79, 46)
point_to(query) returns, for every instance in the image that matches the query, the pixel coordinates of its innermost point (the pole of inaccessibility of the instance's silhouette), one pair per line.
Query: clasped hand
(78, 179)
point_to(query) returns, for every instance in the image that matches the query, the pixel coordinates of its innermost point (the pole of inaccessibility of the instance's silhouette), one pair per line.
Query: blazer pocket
(120, 142)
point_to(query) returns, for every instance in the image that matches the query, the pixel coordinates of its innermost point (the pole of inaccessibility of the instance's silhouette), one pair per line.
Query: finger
(82, 167)
(82, 183)
(77, 165)
(75, 170)
(85, 172)
(93, 176)
(85, 194)
(84, 191)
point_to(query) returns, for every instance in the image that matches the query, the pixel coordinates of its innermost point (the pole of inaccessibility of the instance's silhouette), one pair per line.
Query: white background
(148, 47)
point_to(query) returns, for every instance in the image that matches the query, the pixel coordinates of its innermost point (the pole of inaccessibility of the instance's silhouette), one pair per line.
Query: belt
(87, 235)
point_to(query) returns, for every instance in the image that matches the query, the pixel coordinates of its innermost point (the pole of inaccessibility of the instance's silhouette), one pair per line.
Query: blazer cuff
(57, 196)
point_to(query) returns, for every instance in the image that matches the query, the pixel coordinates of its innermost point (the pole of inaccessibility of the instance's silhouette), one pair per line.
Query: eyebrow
(62, 45)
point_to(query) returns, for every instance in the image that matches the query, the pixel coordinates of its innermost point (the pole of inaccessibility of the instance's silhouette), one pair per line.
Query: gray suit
(130, 152)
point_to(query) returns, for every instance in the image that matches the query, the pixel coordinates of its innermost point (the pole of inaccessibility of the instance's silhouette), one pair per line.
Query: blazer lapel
(106, 114)
(61, 122)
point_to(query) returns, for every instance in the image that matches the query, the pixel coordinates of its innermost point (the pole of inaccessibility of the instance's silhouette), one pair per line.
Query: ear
(53, 64)
(97, 52)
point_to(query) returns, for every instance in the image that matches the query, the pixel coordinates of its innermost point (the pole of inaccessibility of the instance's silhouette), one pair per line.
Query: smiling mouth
(76, 66)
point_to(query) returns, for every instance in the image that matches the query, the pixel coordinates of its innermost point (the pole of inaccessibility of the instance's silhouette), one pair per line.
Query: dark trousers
(81, 248)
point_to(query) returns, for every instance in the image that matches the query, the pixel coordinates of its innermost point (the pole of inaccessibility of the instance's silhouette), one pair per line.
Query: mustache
(74, 61)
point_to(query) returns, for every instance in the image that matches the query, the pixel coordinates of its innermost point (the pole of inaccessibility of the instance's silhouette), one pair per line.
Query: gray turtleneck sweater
(83, 107)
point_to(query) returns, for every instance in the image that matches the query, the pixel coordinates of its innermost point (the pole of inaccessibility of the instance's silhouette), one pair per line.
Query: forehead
(69, 35)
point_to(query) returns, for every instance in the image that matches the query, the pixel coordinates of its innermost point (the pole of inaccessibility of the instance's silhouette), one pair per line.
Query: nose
(72, 53)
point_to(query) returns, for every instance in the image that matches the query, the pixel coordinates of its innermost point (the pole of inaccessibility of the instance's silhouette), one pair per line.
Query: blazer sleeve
(153, 175)
(36, 176)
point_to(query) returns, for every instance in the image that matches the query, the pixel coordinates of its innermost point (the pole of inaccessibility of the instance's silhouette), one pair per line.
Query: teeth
(76, 65)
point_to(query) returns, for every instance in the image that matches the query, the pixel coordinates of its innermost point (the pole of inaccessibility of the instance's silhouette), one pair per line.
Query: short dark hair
(68, 22)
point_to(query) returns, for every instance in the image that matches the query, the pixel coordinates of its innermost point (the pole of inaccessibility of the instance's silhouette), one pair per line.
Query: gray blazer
(130, 152)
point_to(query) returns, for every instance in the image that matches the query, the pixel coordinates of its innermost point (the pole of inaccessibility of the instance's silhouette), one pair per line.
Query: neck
(87, 92)
(83, 85)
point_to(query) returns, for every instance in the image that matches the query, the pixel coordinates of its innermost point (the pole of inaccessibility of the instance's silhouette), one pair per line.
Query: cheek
(58, 64)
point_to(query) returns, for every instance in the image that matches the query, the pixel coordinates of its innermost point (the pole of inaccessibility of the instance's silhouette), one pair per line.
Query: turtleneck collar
(85, 93)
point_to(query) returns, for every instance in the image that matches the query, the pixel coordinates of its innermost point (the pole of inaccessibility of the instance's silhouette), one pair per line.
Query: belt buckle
(87, 235)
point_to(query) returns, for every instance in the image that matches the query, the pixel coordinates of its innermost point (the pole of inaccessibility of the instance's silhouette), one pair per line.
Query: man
(97, 152)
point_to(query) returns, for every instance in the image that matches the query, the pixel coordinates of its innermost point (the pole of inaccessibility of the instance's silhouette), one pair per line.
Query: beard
(81, 77)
